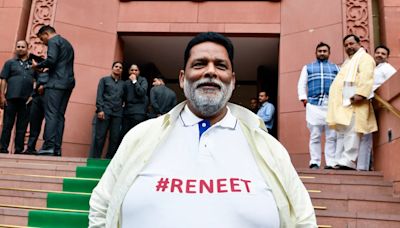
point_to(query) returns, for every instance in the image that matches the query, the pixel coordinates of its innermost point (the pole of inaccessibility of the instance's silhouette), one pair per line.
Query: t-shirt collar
(188, 118)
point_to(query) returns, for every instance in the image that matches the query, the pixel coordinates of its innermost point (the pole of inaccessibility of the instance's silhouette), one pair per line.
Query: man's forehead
(324, 48)
(381, 50)
(21, 43)
(350, 40)
(208, 48)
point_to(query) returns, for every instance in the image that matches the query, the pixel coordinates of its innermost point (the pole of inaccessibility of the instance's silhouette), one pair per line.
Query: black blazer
(60, 61)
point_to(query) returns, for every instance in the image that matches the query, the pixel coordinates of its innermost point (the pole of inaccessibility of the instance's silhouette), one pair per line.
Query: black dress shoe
(45, 152)
(314, 166)
(29, 152)
(3, 151)
(328, 167)
(18, 152)
(343, 167)
(57, 153)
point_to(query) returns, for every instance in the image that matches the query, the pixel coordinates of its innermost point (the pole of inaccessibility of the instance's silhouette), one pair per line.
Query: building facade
(275, 39)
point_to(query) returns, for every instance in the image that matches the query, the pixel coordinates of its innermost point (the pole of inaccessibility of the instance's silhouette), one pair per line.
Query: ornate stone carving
(42, 13)
(358, 21)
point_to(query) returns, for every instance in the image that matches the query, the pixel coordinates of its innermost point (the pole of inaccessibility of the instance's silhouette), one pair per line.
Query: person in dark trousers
(162, 98)
(16, 88)
(58, 89)
(36, 115)
(135, 91)
(109, 112)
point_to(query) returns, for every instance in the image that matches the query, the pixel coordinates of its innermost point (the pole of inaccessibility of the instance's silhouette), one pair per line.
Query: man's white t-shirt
(201, 176)
(382, 73)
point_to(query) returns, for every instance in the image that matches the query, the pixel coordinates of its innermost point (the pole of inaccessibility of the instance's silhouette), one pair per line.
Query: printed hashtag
(162, 184)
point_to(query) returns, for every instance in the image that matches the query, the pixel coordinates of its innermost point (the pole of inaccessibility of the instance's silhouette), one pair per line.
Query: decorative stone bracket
(358, 21)
(42, 13)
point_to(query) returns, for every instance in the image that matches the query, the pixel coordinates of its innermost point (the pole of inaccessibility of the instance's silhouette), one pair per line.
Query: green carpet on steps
(57, 219)
(76, 185)
(68, 201)
(51, 219)
(90, 171)
(97, 162)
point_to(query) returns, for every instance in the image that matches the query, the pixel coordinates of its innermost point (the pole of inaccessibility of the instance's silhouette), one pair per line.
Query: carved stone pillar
(42, 13)
(358, 20)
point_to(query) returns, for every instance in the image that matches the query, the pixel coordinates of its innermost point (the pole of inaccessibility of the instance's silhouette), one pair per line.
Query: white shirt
(196, 181)
(382, 73)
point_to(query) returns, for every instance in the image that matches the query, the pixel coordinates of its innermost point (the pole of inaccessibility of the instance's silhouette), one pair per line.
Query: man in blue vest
(313, 91)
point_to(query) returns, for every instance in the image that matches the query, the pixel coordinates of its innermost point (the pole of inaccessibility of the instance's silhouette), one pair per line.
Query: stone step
(13, 216)
(42, 159)
(340, 174)
(351, 186)
(357, 203)
(23, 198)
(38, 169)
(30, 182)
(357, 219)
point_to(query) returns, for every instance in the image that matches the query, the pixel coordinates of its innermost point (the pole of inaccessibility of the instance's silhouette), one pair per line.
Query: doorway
(255, 62)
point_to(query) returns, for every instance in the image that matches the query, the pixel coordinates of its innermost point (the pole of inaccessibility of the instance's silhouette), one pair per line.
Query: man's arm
(267, 113)
(3, 87)
(154, 101)
(5, 73)
(99, 100)
(52, 56)
(365, 79)
(302, 86)
(140, 87)
(101, 195)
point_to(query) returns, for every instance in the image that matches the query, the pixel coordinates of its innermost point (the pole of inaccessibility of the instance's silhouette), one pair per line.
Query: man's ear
(181, 78)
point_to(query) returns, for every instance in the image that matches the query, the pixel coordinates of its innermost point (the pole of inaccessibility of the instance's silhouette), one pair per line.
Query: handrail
(387, 105)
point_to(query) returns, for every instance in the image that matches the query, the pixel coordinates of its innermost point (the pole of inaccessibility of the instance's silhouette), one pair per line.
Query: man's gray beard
(207, 105)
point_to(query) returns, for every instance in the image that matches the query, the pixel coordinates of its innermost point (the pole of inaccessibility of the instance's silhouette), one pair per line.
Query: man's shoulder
(367, 57)
(11, 61)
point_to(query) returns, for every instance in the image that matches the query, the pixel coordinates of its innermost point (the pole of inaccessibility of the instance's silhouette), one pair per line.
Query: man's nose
(211, 70)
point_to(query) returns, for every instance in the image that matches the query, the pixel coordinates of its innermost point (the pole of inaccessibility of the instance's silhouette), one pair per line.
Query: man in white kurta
(383, 71)
(350, 112)
(206, 163)
(313, 91)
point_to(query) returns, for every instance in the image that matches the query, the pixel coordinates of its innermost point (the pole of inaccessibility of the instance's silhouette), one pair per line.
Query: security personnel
(58, 89)
(17, 79)
(135, 98)
(109, 112)
(36, 113)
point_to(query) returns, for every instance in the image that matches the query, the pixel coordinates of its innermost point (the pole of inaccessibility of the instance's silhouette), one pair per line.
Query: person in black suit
(162, 98)
(135, 99)
(16, 88)
(109, 112)
(58, 89)
(36, 115)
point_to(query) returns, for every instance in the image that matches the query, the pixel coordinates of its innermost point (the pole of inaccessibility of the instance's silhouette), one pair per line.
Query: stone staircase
(341, 198)
(25, 182)
(352, 198)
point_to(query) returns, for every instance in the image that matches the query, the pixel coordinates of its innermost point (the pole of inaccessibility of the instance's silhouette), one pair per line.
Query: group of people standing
(121, 105)
(338, 101)
(32, 90)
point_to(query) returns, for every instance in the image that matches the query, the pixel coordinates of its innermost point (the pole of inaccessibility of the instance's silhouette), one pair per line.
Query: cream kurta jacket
(293, 201)
(365, 121)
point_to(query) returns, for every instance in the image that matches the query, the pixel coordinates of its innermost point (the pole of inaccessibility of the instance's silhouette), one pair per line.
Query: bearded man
(205, 157)
(350, 112)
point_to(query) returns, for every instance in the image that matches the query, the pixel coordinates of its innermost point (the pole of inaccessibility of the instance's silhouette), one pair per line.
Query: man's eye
(222, 67)
(197, 65)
